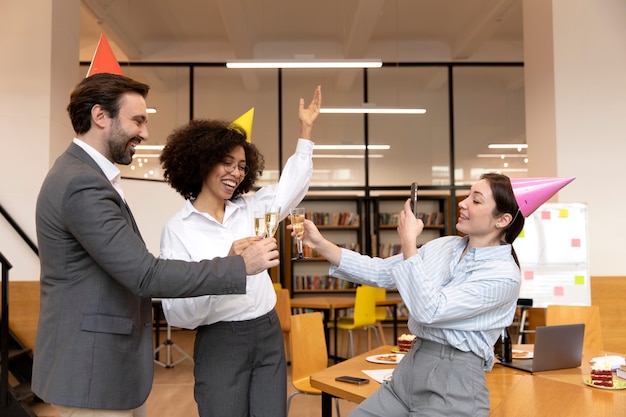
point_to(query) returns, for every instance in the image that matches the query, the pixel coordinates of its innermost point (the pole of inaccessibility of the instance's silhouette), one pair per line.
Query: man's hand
(259, 254)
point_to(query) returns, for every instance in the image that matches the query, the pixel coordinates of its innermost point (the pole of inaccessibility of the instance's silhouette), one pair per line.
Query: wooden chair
(363, 317)
(589, 315)
(531, 318)
(381, 315)
(308, 353)
(283, 309)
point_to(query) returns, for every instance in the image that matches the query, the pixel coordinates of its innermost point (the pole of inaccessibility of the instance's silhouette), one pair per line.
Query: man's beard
(118, 142)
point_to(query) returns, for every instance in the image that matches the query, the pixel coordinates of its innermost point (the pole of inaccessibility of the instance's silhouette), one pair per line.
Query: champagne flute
(272, 217)
(297, 222)
(259, 223)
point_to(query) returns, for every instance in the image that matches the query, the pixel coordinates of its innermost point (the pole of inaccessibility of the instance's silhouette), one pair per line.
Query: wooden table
(329, 307)
(512, 392)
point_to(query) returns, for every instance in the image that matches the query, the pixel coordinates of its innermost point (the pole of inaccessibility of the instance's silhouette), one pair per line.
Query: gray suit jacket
(94, 344)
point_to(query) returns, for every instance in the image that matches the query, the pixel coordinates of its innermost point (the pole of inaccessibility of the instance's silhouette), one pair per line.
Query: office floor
(172, 391)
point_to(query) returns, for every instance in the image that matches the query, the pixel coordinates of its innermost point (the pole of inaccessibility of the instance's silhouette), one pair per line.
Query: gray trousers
(240, 368)
(431, 380)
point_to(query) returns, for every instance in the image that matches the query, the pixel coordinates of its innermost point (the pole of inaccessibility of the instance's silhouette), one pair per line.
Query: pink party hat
(530, 193)
(245, 122)
(104, 60)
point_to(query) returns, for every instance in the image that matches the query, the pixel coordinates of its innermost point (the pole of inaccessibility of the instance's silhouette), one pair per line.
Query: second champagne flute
(259, 223)
(297, 222)
(272, 217)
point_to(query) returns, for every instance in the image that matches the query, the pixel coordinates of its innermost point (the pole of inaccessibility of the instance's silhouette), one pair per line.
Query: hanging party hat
(530, 193)
(245, 122)
(104, 60)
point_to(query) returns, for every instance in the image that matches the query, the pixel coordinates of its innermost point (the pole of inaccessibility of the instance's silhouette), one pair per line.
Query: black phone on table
(352, 380)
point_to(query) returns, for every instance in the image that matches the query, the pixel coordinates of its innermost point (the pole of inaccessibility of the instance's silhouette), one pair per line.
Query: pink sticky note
(545, 215)
(529, 275)
(575, 243)
(559, 291)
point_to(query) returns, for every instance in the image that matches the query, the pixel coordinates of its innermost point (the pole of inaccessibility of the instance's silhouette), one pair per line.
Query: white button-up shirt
(193, 236)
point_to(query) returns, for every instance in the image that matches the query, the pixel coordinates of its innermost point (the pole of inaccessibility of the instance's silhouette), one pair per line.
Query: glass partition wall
(473, 121)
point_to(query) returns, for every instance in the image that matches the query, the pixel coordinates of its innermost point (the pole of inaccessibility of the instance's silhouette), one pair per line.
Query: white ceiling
(220, 30)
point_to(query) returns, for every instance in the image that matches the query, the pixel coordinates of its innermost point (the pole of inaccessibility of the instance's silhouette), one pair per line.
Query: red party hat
(530, 193)
(104, 60)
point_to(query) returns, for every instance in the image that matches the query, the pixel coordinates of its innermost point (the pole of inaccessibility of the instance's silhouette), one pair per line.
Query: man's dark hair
(103, 89)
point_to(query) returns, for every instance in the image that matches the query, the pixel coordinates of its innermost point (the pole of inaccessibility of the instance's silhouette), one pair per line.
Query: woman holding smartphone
(460, 292)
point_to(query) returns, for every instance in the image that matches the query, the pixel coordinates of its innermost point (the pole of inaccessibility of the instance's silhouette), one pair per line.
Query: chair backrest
(589, 315)
(365, 306)
(283, 309)
(308, 345)
(380, 294)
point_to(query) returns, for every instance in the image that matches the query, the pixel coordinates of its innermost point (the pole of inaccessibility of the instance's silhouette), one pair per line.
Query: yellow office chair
(589, 315)
(381, 315)
(364, 315)
(308, 353)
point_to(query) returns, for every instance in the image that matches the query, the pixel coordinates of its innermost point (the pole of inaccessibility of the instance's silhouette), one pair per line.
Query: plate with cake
(602, 377)
(390, 359)
(405, 342)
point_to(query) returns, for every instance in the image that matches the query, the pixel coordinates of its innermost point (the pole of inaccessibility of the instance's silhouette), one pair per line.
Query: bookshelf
(340, 219)
(432, 209)
(364, 224)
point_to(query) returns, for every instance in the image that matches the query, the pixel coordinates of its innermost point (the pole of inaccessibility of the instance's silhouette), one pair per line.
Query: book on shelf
(312, 254)
(320, 282)
(333, 219)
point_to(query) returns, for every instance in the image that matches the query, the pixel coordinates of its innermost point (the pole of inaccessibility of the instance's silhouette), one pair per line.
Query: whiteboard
(553, 254)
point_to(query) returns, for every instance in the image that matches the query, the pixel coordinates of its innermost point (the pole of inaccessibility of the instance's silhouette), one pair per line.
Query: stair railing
(4, 333)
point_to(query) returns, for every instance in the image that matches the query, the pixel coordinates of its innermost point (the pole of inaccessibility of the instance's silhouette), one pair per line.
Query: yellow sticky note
(579, 280)
(564, 213)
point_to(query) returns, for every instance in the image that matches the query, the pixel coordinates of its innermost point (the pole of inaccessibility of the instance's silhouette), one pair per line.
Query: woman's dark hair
(506, 203)
(191, 151)
(103, 89)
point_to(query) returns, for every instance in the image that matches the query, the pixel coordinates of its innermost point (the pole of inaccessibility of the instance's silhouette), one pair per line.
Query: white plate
(521, 354)
(391, 358)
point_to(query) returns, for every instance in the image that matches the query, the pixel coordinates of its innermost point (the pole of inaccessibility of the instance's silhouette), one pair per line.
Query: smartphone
(352, 380)
(414, 198)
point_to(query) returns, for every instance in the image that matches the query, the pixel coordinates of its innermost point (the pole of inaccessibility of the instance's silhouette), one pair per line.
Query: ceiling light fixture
(348, 63)
(151, 110)
(508, 146)
(502, 155)
(351, 147)
(337, 156)
(374, 110)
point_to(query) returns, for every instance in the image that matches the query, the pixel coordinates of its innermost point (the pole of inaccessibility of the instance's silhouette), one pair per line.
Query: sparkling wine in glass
(272, 218)
(297, 222)
(259, 223)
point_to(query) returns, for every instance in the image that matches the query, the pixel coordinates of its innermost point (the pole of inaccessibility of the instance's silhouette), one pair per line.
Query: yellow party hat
(245, 122)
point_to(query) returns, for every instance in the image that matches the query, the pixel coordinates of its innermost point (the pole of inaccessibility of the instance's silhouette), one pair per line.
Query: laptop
(556, 347)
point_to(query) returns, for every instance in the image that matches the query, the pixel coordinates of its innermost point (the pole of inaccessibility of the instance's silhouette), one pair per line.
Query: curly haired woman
(239, 358)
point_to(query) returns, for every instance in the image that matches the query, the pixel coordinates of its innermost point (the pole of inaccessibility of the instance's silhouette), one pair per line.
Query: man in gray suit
(94, 353)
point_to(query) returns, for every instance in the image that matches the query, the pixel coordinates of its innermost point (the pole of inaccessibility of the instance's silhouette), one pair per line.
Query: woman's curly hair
(191, 151)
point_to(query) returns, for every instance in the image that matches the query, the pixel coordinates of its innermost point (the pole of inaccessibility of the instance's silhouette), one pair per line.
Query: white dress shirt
(193, 236)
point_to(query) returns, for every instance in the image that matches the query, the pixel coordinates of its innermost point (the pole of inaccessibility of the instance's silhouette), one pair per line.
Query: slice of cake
(405, 342)
(601, 374)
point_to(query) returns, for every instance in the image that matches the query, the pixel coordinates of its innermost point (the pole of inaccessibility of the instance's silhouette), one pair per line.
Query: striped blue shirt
(464, 303)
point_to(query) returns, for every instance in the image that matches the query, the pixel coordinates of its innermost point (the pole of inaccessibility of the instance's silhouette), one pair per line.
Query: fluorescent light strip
(351, 147)
(375, 110)
(306, 64)
(319, 147)
(151, 110)
(502, 155)
(508, 146)
(337, 156)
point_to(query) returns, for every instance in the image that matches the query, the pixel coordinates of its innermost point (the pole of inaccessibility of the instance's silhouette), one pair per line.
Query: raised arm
(309, 114)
